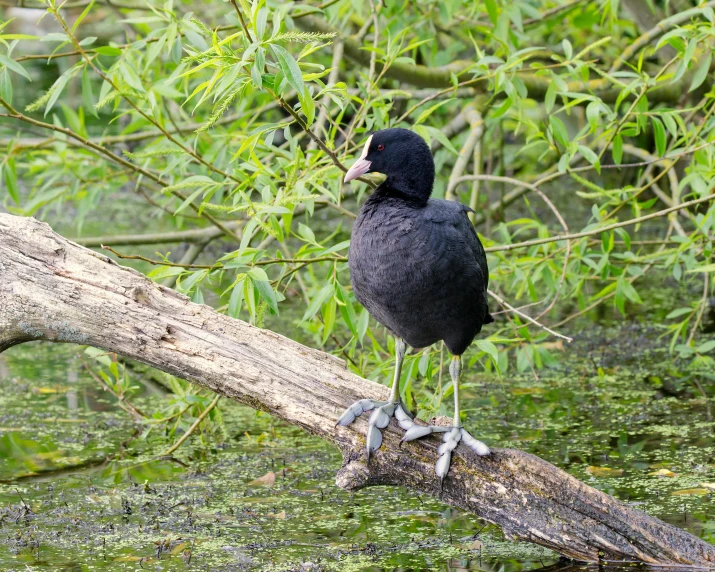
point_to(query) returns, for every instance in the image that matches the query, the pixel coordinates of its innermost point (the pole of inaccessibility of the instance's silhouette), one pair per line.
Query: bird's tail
(488, 319)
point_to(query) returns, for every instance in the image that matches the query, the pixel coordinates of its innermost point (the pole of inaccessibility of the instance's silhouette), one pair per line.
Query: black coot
(419, 268)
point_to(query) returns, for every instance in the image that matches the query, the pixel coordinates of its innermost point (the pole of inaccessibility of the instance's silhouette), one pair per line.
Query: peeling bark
(52, 289)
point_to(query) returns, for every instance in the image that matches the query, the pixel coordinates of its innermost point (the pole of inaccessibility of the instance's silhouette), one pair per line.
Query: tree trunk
(52, 289)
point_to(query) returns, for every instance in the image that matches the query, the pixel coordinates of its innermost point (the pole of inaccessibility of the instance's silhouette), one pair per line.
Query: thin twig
(218, 265)
(527, 317)
(701, 309)
(243, 23)
(552, 12)
(193, 427)
(646, 38)
(630, 222)
(14, 114)
(123, 402)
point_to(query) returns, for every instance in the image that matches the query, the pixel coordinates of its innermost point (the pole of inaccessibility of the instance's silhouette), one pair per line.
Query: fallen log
(52, 289)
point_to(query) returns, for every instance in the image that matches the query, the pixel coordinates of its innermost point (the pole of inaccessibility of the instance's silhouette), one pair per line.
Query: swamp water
(79, 491)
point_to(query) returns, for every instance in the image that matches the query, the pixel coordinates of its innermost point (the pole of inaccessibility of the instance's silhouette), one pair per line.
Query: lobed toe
(474, 444)
(416, 432)
(442, 466)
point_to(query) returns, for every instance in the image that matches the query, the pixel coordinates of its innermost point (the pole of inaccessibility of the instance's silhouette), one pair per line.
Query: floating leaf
(268, 479)
(686, 492)
(662, 473)
(604, 472)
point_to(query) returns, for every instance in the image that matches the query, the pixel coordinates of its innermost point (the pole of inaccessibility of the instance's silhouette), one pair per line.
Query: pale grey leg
(383, 411)
(452, 435)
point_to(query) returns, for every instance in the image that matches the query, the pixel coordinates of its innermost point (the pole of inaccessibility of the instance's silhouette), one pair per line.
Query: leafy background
(205, 143)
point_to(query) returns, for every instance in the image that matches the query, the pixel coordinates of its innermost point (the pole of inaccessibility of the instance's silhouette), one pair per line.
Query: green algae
(81, 492)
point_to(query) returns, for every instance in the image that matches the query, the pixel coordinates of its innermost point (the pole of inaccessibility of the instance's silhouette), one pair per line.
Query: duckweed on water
(81, 491)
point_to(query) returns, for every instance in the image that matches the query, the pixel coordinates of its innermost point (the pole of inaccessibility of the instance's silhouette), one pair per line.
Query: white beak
(361, 166)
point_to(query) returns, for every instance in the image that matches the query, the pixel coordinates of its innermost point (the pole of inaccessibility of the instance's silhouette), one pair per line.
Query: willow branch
(441, 77)
(98, 149)
(193, 427)
(644, 39)
(631, 222)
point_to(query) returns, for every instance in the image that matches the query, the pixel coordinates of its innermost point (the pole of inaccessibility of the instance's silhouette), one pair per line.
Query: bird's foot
(452, 437)
(382, 412)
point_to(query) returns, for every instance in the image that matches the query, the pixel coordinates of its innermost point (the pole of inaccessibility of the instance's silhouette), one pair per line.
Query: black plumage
(416, 263)
(419, 268)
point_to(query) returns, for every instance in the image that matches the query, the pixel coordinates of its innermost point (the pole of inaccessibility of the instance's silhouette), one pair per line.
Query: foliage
(240, 120)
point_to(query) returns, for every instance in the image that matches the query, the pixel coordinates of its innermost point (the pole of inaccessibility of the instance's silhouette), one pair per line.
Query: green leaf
(706, 347)
(346, 309)
(82, 16)
(290, 68)
(679, 312)
(427, 112)
(492, 10)
(441, 137)
(659, 135)
(257, 273)
(108, 51)
(249, 141)
(590, 156)
(363, 323)
(189, 200)
(550, 97)
(6, 86)
(306, 232)
(629, 291)
(489, 348)
(260, 23)
(308, 106)
(617, 149)
(702, 72)
(56, 92)
(11, 180)
(14, 66)
(329, 319)
(267, 293)
(234, 303)
(87, 95)
(317, 301)
(559, 130)
(194, 279)
(706, 268)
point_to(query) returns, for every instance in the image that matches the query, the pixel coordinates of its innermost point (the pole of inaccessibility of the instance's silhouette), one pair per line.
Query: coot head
(401, 155)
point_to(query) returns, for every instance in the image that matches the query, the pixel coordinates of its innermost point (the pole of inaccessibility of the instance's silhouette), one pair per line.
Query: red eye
(380, 147)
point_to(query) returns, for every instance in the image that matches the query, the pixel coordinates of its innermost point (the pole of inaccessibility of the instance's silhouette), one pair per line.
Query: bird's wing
(476, 245)
(455, 228)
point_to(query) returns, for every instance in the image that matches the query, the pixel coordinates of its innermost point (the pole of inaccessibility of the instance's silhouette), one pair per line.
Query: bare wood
(52, 289)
